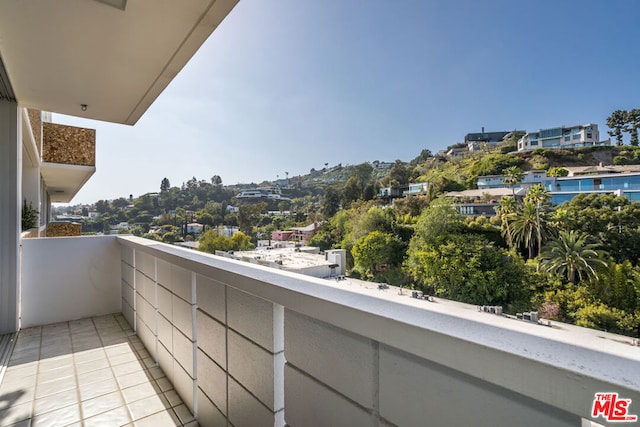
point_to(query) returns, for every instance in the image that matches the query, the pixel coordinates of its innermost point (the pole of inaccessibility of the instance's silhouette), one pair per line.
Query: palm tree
(571, 254)
(505, 210)
(538, 195)
(524, 226)
(513, 175)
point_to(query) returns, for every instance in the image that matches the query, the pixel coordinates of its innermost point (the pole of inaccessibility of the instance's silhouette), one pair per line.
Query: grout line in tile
(114, 376)
(35, 386)
(75, 374)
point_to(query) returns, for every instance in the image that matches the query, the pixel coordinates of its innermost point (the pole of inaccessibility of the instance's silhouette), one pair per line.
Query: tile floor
(90, 372)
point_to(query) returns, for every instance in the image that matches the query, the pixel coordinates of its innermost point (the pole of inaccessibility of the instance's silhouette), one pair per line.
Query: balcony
(68, 159)
(248, 345)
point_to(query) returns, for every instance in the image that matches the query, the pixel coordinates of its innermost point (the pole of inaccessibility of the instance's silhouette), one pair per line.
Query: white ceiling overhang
(64, 181)
(62, 54)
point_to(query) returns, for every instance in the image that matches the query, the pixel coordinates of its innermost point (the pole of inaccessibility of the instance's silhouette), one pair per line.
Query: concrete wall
(364, 382)
(69, 278)
(255, 346)
(220, 354)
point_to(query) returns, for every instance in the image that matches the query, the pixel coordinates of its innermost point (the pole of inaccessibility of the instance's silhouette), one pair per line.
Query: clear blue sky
(289, 85)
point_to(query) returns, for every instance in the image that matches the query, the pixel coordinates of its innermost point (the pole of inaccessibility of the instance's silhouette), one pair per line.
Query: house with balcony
(398, 191)
(529, 178)
(566, 188)
(582, 180)
(563, 137)
(479, 140)
(481, 202)
(120, 330)
(304, 234)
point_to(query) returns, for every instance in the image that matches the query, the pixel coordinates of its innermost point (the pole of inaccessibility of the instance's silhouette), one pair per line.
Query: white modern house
(586, 135)
(120, 330)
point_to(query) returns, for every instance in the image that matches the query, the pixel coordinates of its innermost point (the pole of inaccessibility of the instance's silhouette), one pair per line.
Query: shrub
(29, 216)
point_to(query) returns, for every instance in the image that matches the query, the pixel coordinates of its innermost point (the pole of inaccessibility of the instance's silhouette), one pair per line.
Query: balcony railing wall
(257, 346)
(68, 278)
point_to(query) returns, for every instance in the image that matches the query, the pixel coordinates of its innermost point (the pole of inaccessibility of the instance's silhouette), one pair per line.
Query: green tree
(29, 216)
(399, 174)
(513, 175)
(241, 242)
(557, 171)
(164, 185)
(424, 155)
(330, 202)
(618, 286)
(573, 256)
(506, 210)
(466, 267)
(248, 216)
(211, 241)
(617, 123)
(613, 220)
(102, 206)
(206, 218)
(120, 203)
(524, 227)
(632, 123)
(376, 251)
(359, 185)
(351, 191)
(539, 196)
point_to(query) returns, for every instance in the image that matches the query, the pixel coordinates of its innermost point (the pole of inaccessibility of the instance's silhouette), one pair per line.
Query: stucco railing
(258, 346)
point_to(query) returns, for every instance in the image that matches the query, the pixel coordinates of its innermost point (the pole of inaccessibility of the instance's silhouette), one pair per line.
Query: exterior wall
(566, 188)
(562, 137)
(319, 271)
(281, 236)
(218, 349)
(418, 188)
(68, 145)
(69, 278)
(10, 205)
(477, 209)
(338, 256)
(253, 346)
(346, 379)
(63, 229)
(35, 118)
(497, 181)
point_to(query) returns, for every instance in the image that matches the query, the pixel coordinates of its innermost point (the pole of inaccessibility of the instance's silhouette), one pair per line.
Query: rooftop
(290, 257)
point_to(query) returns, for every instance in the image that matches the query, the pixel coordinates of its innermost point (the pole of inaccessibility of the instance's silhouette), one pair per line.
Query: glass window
(634, 197)
(589, 135)
(558, 199)
(550, 133)
(576, 136)
(551, 143)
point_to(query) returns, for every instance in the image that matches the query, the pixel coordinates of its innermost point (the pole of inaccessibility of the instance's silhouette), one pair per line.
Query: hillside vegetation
(576, 263)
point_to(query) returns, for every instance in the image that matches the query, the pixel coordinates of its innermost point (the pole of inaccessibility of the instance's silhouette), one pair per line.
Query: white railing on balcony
(257, 346)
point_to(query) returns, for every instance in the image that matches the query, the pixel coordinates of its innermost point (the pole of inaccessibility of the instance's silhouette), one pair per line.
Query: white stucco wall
(69, 278)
